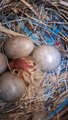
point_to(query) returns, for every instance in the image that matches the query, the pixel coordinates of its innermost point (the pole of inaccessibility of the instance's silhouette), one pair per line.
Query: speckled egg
(47, 57)
(18, 47)
(12, 88)
(3, 63)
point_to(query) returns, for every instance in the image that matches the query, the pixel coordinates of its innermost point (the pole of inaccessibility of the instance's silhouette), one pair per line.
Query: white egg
(17, 47)
(12, 87)
(47, 57)
(3, 62)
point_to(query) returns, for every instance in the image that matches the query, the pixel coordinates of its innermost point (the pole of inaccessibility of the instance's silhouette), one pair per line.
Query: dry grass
(53, 89)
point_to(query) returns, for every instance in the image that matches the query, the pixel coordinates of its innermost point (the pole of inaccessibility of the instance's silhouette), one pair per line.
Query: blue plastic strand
(58, 109)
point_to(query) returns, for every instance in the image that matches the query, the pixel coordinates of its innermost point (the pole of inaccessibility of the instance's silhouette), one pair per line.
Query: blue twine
(27, 31)
(47, 39)
(58, 109)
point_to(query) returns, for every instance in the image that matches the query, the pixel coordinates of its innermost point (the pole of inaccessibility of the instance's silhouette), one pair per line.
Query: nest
(45, 23)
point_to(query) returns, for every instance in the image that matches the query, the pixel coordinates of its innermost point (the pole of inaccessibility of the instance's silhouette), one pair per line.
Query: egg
(47, 57)
(18, 47)
(3, 63)
(12, 88)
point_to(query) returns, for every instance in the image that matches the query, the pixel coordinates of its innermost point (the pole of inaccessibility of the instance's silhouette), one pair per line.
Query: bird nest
(46, 91)
(44, 23)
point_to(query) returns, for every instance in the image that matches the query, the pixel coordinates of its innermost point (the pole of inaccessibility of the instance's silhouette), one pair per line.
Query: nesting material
(44, 22)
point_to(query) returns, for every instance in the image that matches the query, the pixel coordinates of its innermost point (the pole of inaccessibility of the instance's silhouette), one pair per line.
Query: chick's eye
(30, 62)
(34, 63)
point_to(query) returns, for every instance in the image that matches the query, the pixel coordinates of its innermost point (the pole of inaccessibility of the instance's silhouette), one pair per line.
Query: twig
(64, 3)
(39, 21)
(30, 7)
(9, 31)
(64, 23)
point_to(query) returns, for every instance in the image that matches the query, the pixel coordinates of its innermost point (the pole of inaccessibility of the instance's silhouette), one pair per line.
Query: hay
(45, 23)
